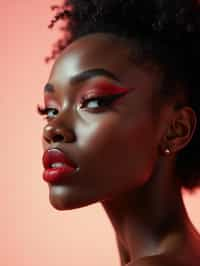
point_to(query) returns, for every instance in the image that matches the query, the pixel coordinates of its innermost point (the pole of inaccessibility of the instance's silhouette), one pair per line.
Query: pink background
(32, 231)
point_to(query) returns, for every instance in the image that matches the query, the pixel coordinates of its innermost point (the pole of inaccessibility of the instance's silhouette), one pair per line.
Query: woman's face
(114, 142)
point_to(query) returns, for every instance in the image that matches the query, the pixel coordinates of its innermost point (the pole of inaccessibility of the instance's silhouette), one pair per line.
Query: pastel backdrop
(32, 231)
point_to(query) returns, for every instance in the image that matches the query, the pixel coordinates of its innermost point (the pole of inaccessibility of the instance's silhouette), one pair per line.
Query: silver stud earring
(167, 151)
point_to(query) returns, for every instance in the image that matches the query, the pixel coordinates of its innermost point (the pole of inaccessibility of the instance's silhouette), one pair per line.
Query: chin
(62, 198)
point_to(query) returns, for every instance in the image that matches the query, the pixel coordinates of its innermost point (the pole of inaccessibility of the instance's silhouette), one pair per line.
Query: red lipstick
(57, 165)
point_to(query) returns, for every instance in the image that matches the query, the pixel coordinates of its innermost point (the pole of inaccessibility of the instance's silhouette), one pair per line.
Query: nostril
(55, 138)
(52, 134)
(46, 139)
(58, 138)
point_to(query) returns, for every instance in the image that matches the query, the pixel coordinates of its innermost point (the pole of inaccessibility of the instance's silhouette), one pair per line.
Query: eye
(45, 111)
(95, 103)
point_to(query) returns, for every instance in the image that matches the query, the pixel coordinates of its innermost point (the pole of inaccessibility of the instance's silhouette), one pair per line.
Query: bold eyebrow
(83, 76)
(90, 73)
(49, 88)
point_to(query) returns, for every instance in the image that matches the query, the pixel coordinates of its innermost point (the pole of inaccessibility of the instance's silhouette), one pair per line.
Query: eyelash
(44, 111)
(107, 100)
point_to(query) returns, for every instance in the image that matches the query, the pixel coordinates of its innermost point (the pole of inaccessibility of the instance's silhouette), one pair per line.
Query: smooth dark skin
(120, 153)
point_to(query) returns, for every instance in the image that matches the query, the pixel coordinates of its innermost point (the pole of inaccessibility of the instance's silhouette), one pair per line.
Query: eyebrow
(83, 76)
(49, 88)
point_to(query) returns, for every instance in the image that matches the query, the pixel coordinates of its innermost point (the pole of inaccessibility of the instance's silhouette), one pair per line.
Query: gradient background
(32, 231)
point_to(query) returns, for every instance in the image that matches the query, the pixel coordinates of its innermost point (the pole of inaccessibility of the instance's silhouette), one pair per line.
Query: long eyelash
(108, 98)
(84, 100)
(41, 110)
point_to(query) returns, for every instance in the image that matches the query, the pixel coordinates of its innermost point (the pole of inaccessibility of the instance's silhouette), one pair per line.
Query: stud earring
(167, 151)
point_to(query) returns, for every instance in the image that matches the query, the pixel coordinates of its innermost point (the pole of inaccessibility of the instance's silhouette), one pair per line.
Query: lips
(56, 155)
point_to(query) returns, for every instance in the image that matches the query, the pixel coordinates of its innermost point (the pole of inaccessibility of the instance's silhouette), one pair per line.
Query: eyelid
(100, 89)
(93, 96)
(110, 98)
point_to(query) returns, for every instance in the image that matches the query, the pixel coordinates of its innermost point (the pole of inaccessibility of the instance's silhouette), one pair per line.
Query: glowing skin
(118, 147)
(131, 147)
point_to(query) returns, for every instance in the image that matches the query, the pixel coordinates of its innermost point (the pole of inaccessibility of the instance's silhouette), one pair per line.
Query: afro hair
(167, 30)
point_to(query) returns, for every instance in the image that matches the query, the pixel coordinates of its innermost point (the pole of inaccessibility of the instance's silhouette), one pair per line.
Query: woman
(123, 122)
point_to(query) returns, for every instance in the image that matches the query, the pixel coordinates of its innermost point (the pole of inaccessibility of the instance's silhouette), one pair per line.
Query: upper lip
(55, 155)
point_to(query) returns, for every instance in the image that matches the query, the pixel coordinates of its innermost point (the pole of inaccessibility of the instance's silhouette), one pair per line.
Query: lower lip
(53, 175)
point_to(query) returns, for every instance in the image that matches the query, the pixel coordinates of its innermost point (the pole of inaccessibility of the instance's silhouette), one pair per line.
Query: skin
(120, 152)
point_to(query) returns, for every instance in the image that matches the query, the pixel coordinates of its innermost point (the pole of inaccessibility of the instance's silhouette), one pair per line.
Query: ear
(181, 129)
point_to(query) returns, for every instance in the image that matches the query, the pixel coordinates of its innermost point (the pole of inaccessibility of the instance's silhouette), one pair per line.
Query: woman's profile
(123, 122)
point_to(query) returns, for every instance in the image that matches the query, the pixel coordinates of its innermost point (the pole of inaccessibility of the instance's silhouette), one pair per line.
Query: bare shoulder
(158, 260)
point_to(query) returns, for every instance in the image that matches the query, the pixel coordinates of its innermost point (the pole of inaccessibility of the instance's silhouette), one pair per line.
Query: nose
(53, 134)
(58, 132)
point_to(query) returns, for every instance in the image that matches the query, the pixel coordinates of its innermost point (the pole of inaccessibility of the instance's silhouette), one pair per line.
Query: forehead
(102, 51)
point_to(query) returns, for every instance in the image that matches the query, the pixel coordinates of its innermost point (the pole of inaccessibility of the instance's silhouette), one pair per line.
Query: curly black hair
(167, 32)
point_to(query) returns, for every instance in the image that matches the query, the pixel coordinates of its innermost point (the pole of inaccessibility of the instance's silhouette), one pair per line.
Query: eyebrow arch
(49, 88)
(83, 76)
(90, 73)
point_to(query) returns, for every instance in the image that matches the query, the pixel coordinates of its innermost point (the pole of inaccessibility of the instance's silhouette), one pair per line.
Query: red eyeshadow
(104, 88)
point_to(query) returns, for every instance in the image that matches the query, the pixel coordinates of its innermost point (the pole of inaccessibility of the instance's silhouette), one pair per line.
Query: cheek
(143, 152)
(139, 151)
(119, 149)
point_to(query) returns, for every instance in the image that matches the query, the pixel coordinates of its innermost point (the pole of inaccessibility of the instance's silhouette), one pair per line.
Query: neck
(148, 220)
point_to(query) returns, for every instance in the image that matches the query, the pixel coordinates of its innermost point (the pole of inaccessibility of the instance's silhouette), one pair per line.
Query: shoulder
(158, 260)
